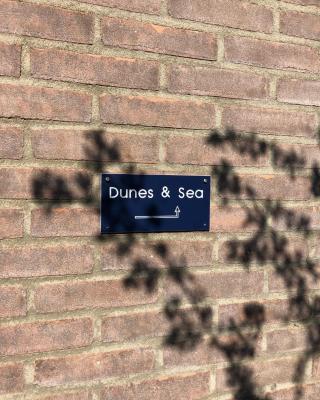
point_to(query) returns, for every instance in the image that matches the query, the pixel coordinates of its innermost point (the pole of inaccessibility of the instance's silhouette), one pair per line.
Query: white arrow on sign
(176, 215)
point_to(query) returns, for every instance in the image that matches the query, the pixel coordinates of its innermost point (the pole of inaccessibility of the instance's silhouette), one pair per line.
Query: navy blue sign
(154, 203)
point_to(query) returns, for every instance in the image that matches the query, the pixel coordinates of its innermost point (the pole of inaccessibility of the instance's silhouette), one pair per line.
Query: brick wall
(222, 87)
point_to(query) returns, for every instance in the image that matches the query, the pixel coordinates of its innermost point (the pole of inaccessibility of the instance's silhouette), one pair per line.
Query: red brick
(229, 219)
(11, 140)
(65, 222)
(22, 183)
(275, 187)
(12, 301)
(265, 373)
(296, 91)
(11, 378)
(313, 214)
(45, 22)
(266, 120)
(132, 34)
(34, 261)
(129, 327)
(83, 395)
(304, 2)
(44, 103)
(275, 311)
(269, 54)
(42, 336)
(10, 59)
(232, 284)
(278, 284)
(300, 24)
(156, 111)
(71, 144)
(310, 216)
(216, 82)
(286, 340)
(316, 368)
(94, 366)
(94, 69)
(230, 13)
(149, 7)
(11, 223)
(181, 387)
(310, 392)
(88, 294)
(222, 285)
(187, 253)
(293, 246)
(309, 153)
(182, 149)
(202, 354)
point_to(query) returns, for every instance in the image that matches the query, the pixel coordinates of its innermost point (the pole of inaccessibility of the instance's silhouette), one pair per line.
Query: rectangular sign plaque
(154, 203)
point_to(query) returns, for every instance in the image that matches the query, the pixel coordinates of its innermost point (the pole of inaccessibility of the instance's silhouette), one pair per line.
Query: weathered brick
(309, 153)
(298, 91)
(54, 184)
(231, 284)
(42, 336)
(11, 378)
(94, 366)
(216, 82)
(226, 250)
(229, 219)
(159, 254)
(269, 54)
(11, 223)
(316, 368)
(71, 144)
(39, 260)
(310, 392)
(264, 373)
(300, 24)
(266, 120)
(10, 59)
(312, 215)
(156, 111)
(286, 340)
(131, 326)
(44, 103)
(202, 354)
(304, 2)
(83, 395)
(88, 294)
(182, 149)
(94, 69)
(45, 22)
(149, 7)
(275, 187)
(11, 143)
(132, 34)
(65, 222)
(222, 285)
(230, 13)
(12, 301)
(274, 311)
(278, 281)
(181, 387)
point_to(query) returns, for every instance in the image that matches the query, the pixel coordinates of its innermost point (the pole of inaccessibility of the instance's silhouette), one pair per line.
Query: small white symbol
(176, 215)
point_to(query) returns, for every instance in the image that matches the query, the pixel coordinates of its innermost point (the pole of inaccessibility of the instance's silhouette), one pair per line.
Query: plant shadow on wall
(267, 243)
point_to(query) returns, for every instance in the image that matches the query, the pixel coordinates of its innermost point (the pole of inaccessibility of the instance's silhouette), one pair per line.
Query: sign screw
(107, 178)
(205, 180)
